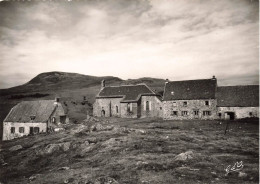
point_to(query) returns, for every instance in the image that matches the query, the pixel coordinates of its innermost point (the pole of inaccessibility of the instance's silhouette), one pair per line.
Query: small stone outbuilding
(32, 117)
(237, 102)
(127, 101)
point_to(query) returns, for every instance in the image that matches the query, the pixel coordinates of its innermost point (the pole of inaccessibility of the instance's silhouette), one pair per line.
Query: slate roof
(238, 96)
(190, 90)
(129, 93)
(41, 109)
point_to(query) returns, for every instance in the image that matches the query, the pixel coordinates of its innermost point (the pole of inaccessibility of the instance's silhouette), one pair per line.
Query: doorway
(139, 109)
(31, 130)
(230, 115)
(103, 113)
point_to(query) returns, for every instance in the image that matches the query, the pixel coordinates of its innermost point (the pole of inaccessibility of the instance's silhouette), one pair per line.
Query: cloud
(167, 39)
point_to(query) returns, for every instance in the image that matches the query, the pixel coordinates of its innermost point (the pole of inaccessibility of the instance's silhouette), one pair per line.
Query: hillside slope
(133, 151)
(56, 81)
(77, 91)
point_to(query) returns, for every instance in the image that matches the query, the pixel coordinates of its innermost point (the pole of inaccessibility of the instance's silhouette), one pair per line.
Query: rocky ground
(111, 151)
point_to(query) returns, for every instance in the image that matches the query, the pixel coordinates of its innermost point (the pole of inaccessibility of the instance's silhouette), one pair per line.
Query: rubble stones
(15, 148)
(185, 156)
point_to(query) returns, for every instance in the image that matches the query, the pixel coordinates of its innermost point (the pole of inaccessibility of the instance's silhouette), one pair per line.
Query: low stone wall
(240, 112)
(7, 135)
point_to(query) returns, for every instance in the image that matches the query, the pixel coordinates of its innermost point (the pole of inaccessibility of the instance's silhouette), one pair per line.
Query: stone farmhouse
(190, 99)
(236, 102)
(182, 100)
(127, 101)
(32, 117)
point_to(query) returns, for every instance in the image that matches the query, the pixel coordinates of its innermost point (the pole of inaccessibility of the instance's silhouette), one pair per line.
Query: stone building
(190, 99)
(127, 101)
(32, 117)
(236, 102)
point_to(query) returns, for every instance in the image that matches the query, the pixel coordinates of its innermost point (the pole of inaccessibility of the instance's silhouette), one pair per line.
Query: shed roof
(129, 93)
(238, 96)
(190, 89)
(41, 109)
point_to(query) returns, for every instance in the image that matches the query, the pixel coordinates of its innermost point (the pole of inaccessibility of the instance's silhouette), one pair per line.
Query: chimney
(214, 78)
(166, 81)
(57, 99)
(103, 84)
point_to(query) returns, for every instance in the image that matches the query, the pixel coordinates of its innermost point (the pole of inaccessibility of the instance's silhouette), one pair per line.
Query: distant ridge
(56, 80)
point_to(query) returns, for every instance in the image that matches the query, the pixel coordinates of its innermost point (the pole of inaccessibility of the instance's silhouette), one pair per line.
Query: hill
(57, 81)
(77, 91)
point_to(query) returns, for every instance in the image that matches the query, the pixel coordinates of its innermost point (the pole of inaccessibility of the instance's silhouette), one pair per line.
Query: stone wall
(192, 105)
(104, 104)
(155, 109)
(7, 135)
(240, 112)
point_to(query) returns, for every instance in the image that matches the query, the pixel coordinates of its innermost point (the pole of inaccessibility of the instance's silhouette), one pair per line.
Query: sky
(168, 39)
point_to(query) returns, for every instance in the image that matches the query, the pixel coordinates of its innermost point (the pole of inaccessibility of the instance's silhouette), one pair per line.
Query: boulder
(185, 156)
(105, 180)
(58, 129)
(78, 129)
(33, 177)
(15, 148)
(65, 146)
(51, 148)
(242, 175)
(87, 149)
(140, 131)
(69, 180)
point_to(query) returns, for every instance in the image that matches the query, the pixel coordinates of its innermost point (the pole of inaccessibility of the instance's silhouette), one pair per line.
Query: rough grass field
(135, 151)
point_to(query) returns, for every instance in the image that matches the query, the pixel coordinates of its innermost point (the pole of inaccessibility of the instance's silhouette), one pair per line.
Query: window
(250, 114)
(32, 117)
(116, 109)
(172, 93)
(174, 113)
(12, 130)
(174, 104)
(196, 112)
(36, 130)
(53, 120)
(207, 103)
(219, 115)
(129, 107)
(160, 108)
(184, 113)
(185, 104)
(147, 106)
(206, 113)
(21, 129)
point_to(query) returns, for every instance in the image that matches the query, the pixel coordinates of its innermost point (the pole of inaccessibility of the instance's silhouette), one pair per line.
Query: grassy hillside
(52, 81)
(134, 151)
(77, 91)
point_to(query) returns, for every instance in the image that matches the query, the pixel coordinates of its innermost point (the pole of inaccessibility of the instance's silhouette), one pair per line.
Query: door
(103, 113)
(110, 109)
(139, 109)
(229, 115)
